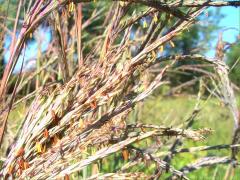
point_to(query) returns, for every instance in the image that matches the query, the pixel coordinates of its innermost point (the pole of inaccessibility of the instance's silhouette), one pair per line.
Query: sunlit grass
(173, 111)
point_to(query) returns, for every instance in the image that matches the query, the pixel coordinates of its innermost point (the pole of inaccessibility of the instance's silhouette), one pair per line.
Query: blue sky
(31, 49)
(231, 20)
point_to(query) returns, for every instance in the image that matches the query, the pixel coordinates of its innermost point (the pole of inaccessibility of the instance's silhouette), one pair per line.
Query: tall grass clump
(90, 79)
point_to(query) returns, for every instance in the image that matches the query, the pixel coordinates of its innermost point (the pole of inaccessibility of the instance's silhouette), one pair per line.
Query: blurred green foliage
(196, 40)
(233, 60)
